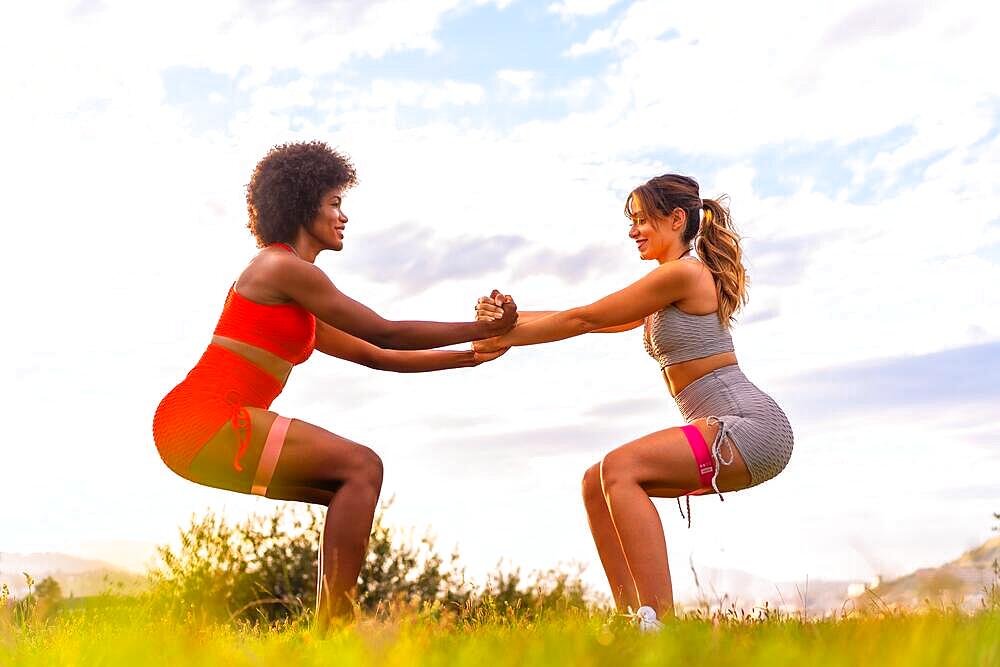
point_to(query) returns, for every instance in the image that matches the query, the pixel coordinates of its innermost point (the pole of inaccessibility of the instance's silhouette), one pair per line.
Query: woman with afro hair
(214, 428)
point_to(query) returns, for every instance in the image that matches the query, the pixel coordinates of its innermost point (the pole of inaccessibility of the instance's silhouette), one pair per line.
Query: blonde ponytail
(718, 246)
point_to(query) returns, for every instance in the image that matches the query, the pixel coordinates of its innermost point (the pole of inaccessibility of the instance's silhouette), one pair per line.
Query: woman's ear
(678, 219)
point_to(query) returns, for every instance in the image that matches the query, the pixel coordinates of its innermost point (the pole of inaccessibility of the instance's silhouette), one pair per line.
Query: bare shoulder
(699, 271)
(678, 282)
(699, 293)
(264, 278)
(679, 272)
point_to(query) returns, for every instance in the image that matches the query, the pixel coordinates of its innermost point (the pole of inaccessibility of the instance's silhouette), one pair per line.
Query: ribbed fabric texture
(217, 390)
(223, 384)
(287, 330)
(672, 336)
(751, 419)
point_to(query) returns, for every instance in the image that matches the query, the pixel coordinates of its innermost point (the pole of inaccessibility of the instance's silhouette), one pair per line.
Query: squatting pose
(736, 435)
(215, 428)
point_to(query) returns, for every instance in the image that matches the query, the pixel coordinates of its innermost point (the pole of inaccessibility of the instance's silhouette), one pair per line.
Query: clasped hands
(490, 308)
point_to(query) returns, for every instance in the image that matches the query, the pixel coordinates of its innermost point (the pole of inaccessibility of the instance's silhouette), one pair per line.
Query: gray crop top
(672, 336)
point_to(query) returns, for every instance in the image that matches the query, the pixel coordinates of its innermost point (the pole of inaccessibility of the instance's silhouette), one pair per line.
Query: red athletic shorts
(216, 391)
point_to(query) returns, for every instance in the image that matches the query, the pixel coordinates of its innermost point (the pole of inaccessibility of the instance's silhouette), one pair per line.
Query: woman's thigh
(311, 467)
(214, 465)
(314, 458)
(664, 466)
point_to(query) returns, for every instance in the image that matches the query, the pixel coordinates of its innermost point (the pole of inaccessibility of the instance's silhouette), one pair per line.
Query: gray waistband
(697, 396)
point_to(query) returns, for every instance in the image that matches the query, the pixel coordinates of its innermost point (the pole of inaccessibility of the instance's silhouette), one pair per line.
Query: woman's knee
(616, 469)
(368, 467)
(356, 465)
(591, 485)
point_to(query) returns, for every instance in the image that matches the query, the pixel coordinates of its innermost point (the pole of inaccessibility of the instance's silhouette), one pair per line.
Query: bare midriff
(268, 362)
(679, 376)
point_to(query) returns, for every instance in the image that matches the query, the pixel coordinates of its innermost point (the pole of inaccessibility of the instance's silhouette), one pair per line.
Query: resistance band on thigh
(705, 463)
(269, 455)
(702, 456)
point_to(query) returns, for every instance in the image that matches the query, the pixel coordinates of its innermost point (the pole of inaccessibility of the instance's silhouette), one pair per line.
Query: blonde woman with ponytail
(736, 436)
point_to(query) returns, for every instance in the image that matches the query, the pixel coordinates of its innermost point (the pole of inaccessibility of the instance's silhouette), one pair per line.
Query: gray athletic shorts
(748, 419)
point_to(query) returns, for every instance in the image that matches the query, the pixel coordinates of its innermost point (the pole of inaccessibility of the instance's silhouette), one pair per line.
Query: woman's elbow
(384, 337)
(377, 360)
(583, 322)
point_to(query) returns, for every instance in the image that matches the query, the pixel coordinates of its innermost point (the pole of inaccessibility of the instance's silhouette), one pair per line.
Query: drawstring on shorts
(717, 451)
(240, 419)
(717, 459)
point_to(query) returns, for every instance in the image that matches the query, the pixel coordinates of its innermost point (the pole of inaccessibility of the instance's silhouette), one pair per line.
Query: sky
(495, 141)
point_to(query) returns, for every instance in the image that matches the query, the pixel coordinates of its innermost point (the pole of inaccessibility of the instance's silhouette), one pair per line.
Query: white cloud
(122, 41)
(578, 92)
(270, 99)
(572, 8)
(383, 95)
(599, 40)
(519, 83)
(642, 21)
(712, 85)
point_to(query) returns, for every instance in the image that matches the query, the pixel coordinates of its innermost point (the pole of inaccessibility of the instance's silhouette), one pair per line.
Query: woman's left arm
(661, 286)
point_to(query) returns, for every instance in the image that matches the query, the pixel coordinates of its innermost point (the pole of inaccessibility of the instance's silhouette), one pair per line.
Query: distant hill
(724, 587)
(962, 581)
(76, 576)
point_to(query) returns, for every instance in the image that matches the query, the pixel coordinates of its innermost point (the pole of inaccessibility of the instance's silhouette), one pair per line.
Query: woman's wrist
(463, 359)
(505, 340)
(490, 328)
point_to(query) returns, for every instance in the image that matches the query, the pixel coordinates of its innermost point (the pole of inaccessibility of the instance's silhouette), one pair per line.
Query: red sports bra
(285, 329)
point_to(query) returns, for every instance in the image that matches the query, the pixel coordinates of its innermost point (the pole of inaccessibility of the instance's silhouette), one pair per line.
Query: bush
(553, 590)
(397, 571)
(264, 569)
(35, 608)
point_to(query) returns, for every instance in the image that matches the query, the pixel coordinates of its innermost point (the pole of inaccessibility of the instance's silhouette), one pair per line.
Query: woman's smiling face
(645, 233)
(328, 225)
(654, 238)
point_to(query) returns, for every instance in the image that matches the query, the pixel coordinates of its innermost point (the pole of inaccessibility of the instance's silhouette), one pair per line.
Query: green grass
(127, 634)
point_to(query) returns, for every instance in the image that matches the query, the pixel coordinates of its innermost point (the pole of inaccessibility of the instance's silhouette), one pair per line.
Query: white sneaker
(645, 619)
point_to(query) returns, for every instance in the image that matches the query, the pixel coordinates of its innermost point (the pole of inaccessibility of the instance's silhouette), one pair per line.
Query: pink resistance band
(269, 455)
(702, 456)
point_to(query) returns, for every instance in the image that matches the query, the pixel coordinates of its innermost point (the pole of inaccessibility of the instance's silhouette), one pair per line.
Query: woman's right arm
(307, 285)
(663, 285)
(486, 308)
(339, 344)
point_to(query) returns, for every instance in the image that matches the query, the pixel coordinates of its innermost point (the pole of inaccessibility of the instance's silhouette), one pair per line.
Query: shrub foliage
(264, 569)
